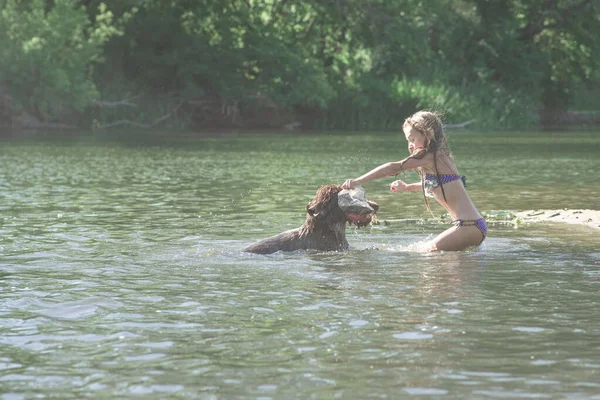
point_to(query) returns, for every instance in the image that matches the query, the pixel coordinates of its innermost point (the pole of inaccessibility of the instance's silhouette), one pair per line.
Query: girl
(431, 156)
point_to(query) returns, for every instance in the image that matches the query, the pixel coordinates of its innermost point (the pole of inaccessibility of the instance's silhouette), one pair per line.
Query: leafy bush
(378, 104)
(46, 55)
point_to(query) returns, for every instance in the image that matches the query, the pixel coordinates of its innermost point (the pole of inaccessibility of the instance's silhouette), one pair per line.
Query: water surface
(121, 275)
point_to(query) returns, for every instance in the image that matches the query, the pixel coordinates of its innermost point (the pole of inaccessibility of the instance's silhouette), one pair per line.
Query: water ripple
(121, 276)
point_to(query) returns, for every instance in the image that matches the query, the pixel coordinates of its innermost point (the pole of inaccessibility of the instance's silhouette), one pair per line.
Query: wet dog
(325, 226)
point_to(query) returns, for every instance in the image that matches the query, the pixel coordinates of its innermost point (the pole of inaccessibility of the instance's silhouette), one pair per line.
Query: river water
(121, 275)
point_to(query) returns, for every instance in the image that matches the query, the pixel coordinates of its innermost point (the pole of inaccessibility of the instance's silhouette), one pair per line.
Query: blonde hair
(429, 124)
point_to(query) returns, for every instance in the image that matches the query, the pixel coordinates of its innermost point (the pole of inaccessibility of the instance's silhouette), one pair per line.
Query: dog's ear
(312, 211)
(324, 202)
(316, 210)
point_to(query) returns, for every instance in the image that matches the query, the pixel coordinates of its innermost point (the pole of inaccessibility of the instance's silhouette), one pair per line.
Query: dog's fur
(324, 228)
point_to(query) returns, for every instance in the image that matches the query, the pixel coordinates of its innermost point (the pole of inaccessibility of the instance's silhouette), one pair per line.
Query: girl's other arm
(401, 186)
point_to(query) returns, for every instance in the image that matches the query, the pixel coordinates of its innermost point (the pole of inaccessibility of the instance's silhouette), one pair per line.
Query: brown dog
(325, 225)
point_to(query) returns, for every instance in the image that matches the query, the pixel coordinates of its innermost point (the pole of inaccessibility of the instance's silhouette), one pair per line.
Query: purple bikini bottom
(480, 223)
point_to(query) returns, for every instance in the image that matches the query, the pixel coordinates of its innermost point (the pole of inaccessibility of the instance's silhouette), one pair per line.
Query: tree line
(319, 64)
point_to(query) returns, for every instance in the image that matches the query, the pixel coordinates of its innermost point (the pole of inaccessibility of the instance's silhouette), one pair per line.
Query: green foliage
(232, 50)
(385, 105)
(46, 55)
(347, 64)
(486, 60)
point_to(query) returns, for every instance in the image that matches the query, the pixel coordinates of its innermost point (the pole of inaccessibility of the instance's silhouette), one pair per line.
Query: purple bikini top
(432, 179)
(430, 182)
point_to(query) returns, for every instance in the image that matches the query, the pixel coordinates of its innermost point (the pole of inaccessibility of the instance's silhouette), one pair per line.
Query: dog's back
(285, 241)
(324, 228)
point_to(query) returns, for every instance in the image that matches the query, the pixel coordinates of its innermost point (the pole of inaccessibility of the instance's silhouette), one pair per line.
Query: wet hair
(429, 124)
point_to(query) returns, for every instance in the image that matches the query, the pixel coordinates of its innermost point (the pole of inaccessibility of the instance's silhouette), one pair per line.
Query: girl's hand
(350, 184)
(398, 186)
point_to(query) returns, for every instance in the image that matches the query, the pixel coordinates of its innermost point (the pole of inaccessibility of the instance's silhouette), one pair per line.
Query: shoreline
(584, 217)
(589, 218)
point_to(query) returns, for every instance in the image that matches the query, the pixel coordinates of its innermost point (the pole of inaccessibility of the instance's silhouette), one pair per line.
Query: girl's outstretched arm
(387, 169)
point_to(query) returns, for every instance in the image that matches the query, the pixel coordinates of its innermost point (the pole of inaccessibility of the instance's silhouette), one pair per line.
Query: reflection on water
(121, 276)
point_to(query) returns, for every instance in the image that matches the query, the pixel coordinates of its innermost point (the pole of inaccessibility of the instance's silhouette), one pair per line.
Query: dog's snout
(373, 205)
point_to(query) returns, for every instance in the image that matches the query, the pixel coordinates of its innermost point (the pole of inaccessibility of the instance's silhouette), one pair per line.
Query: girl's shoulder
(443, 165)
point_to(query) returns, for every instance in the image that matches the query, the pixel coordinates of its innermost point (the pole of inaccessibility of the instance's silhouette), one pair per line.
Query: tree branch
(113, 104)
(27, 121)
(461, 125)
(46, 125)
(307, 29)
(138, 124)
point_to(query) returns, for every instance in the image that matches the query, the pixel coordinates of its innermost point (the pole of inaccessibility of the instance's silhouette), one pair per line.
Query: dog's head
(328, 206)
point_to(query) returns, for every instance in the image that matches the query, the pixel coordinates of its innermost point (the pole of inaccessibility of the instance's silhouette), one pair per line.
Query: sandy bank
(590, 218)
